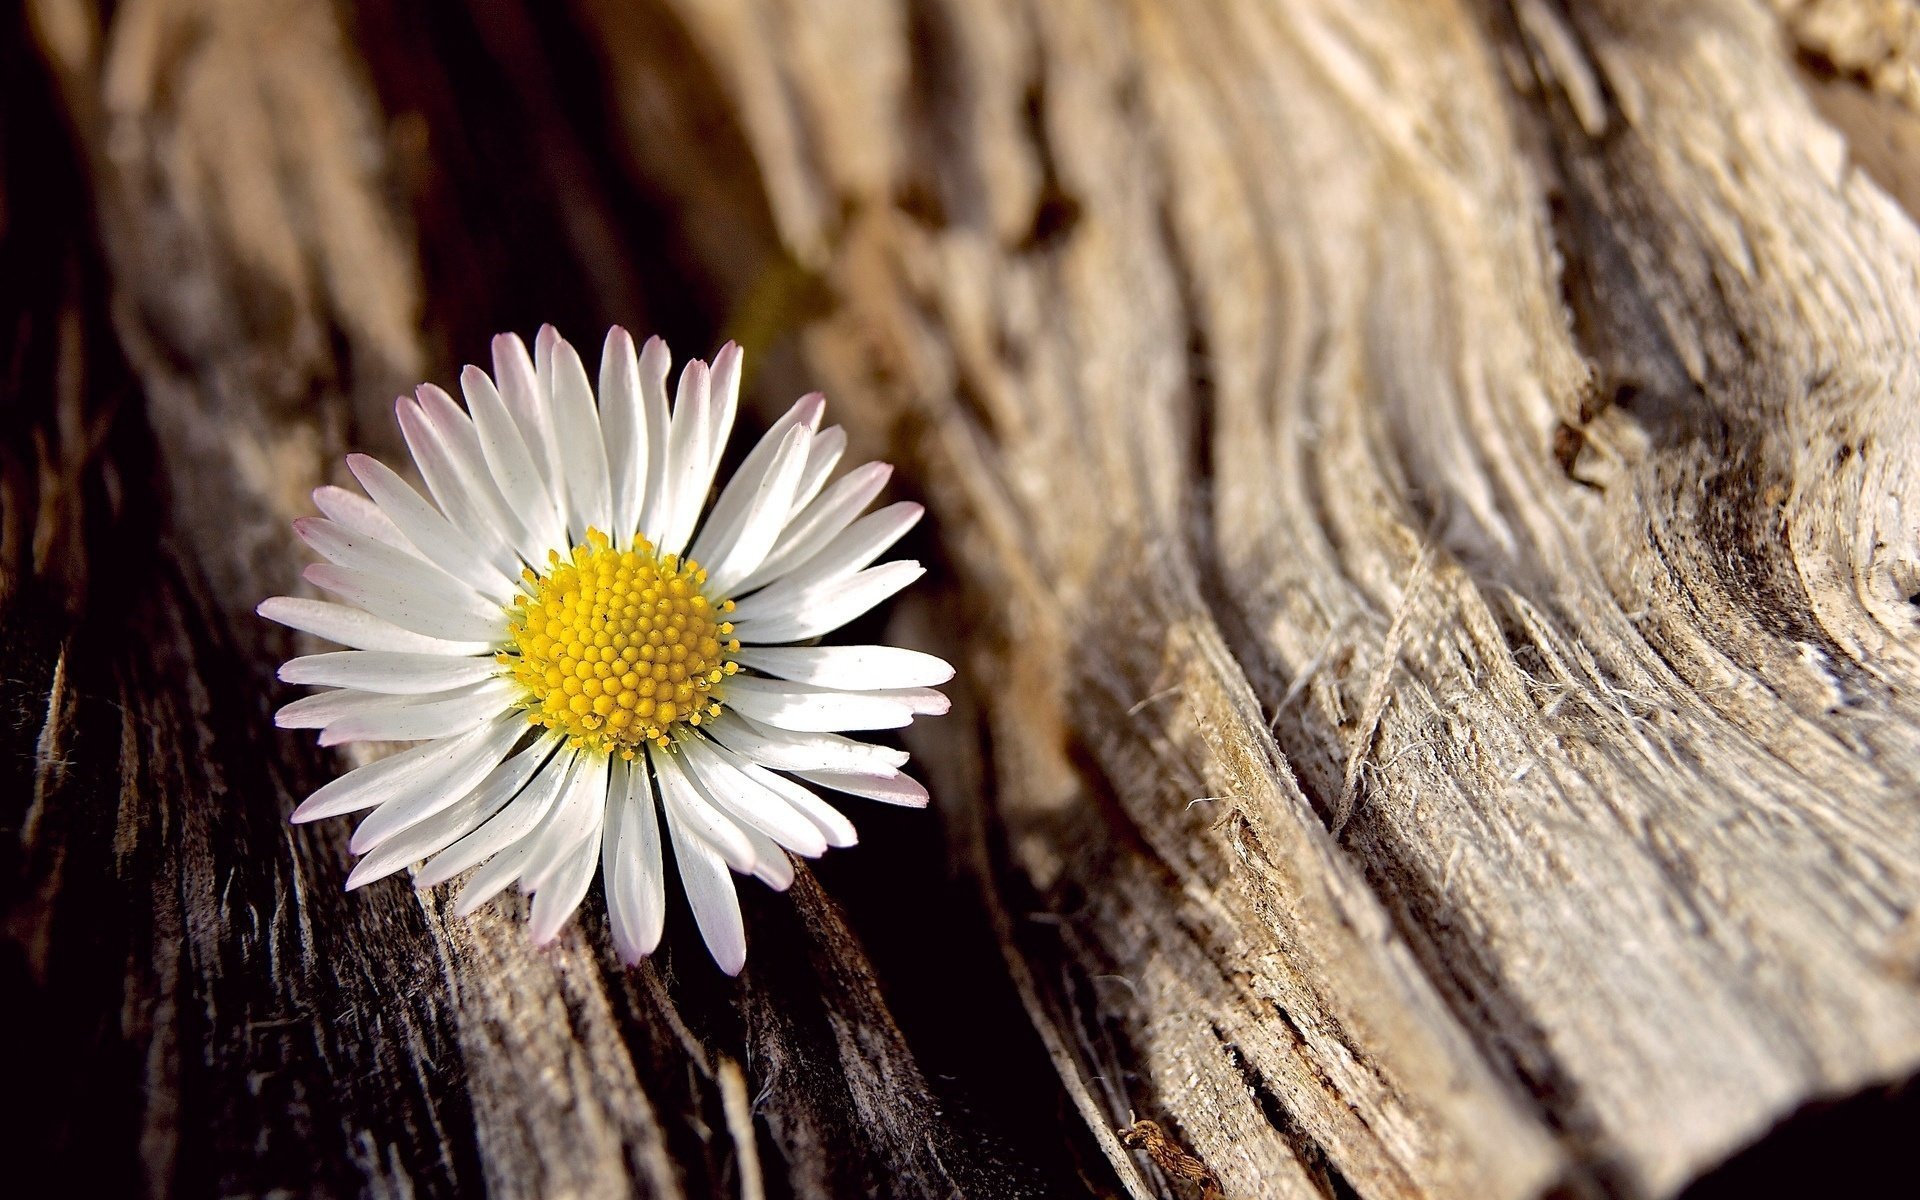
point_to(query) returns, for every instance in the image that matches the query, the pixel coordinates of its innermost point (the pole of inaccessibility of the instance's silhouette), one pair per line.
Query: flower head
(584, 648)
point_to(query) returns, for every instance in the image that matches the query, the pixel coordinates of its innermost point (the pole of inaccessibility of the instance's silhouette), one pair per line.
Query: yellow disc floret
(617, 648)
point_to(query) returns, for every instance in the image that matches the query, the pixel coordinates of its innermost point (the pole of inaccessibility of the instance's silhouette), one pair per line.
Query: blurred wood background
(1424, 503)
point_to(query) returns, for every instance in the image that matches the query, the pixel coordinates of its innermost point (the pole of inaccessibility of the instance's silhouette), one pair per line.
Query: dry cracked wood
(1436, 480)
(1426, 498)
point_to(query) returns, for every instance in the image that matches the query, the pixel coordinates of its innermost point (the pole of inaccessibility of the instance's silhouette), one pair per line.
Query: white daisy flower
(582, 646)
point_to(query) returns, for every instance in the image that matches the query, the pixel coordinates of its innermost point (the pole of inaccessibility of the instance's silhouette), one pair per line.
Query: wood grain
(1423, 504)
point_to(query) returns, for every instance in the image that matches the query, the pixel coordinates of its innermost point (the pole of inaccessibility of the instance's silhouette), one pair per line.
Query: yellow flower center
(617, 648)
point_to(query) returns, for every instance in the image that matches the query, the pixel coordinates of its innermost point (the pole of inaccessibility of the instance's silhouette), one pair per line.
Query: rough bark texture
(1427, 519)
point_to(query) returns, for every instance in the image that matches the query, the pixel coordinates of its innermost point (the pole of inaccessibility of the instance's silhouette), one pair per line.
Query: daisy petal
(785, 750)
(526, 391)
(358, 628)
(712, 827)
(833, 826)
(427, 531)
(827, 607)
(394, 674)
(583, 449)
(624, 428)
(458, 780)
(421, 717)
(429, 837)
(808, 709)
(853, 548)
(823, 456)
(358, 514)
(323, 708)
(561, 892)
(703, 875)
(619, 780)
(895, 788)
(328, 709)
(543, 343)
(582, 807)
(447, 450)
(724, 519)
(820, 522)
(747, 802)
(505, 867)
(451, 614)
(771, 865)
(689, 462)
(849, 667)
(655, 362)
(633, 865)
(738, 550)
(423, 840)
(393, 778)
(726, 397)
(356, 551)
(520, 791)
(522, 482)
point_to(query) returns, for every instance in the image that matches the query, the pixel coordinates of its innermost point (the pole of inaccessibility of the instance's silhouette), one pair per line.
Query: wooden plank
(1424, 501)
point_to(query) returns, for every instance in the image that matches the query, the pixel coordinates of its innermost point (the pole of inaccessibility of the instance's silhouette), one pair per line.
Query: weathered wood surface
(1427, 503)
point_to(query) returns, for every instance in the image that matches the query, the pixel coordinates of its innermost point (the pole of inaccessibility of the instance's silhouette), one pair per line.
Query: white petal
(578, 815)
(560, 894)
(323, 708)
(785, 750)
(358, 552)
(427, 531)
(689, 463)
(521, 481)
(618, 782)
(457, 780)
(395, 674)
(730, 510)
(743, 799)
(358, 628)
(853, 548)
(420, 841)
(547, 765)
(505, 867)
(703, 875)
(623, 426)
(850, 668)
(896, 788)
(726, 396)
(740, 551)
(771, 865)
(447, 450)
(837, 830)
(422, 717)
(827, 607)
(655, 362)
(823, 456)
(420, 608)
(808, 709)
(632, 864)
(392, 778)
(527, 394)
(820, 522)
(359, 514)
(583, 450)
(714, 827)
(436, 833)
